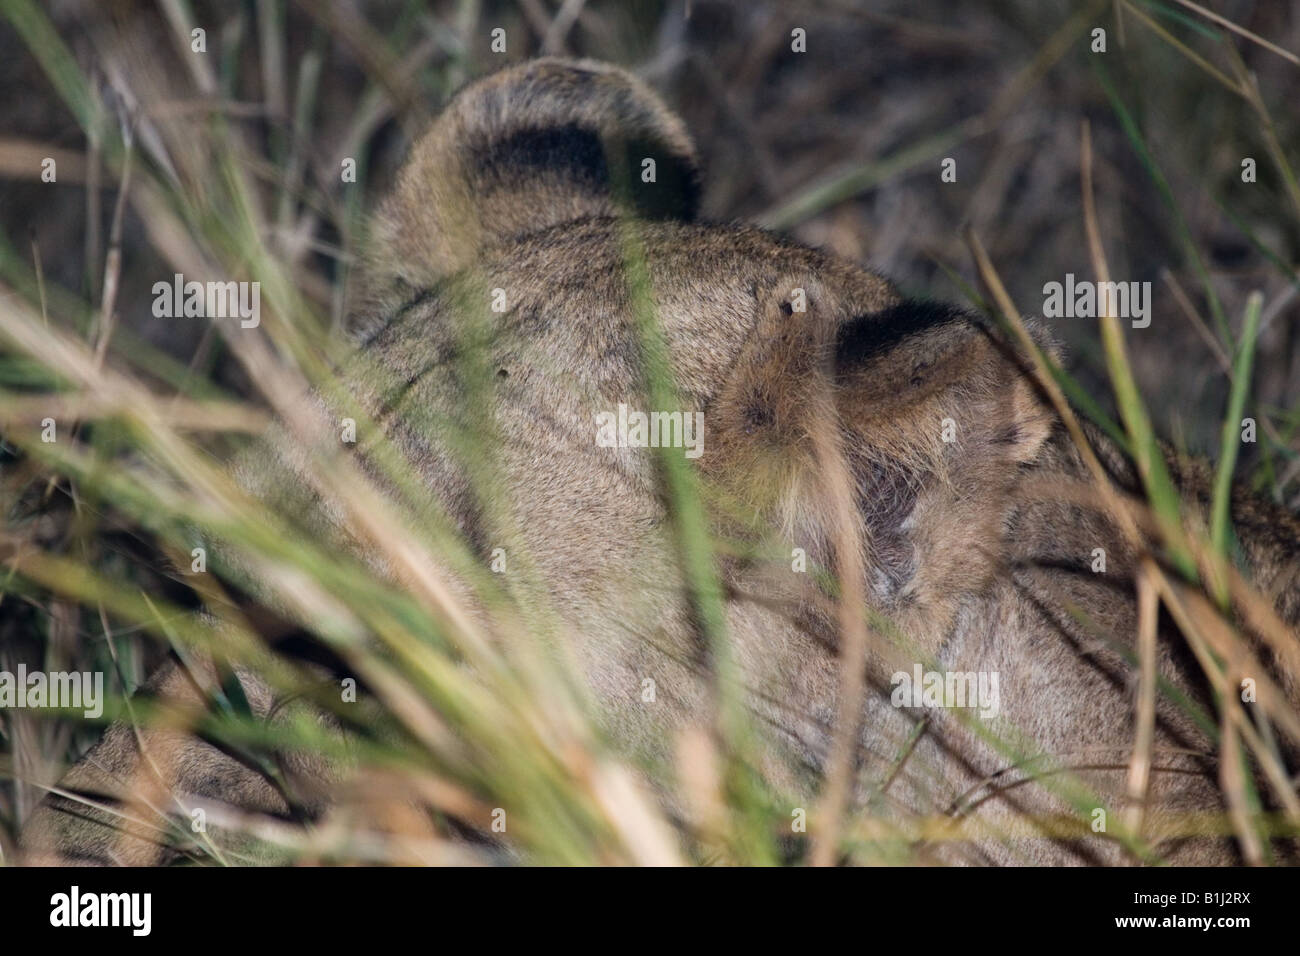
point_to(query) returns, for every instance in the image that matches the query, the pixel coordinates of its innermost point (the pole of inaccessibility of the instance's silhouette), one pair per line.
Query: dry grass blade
(1251, 93)
(852, 638)
(1146, 452)
(1047, 381)
(181, 414)
(1182, 47)
(113, 266)
(1198, 323)
(1241, 31)
(1139, 771)
(1201, 625)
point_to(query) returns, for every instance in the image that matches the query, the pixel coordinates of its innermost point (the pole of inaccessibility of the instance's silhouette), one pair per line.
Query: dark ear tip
(869, 335)
(675, 193)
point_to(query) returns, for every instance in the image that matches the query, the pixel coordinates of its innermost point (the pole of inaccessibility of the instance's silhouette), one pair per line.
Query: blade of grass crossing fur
(1212, 643)
(1139, 774)
(1181, 604)
(522, 605)
(696, 552)
(1011, 317)
(853, 639)
(1077, 394)
(1229, 444)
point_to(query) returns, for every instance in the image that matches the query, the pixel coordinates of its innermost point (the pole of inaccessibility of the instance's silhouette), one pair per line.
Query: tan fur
(977, 572)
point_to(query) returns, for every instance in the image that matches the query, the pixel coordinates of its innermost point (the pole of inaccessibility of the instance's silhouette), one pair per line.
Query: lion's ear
(537, 144)
(759, 417)
(919, 373)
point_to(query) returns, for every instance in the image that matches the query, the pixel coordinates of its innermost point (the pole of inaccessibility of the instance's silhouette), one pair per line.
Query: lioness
(898, 446)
